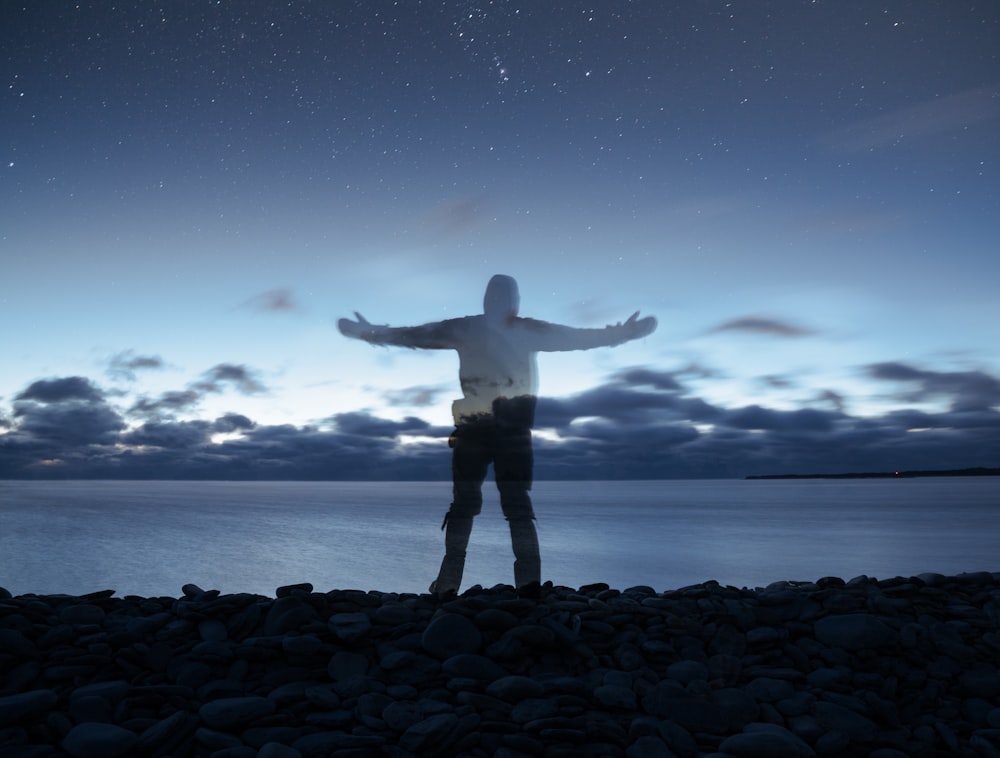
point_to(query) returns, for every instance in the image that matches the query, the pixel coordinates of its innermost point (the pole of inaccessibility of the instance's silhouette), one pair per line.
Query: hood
(502, 299)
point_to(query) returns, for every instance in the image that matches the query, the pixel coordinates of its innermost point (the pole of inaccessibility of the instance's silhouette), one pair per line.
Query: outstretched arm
(554, 337)
(436, 335)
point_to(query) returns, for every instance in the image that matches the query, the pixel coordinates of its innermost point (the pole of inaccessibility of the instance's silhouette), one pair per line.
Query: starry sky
(805, 194)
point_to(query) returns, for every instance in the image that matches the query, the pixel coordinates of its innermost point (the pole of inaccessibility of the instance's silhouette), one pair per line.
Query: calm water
(150, 538)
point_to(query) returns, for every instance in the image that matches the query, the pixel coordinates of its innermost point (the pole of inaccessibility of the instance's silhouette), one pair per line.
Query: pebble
(908, 666)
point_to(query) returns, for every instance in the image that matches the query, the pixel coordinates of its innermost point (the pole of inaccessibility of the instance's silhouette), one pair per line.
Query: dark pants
(474, 447)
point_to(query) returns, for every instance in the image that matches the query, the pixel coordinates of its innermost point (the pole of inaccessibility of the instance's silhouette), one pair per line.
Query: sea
(152, 537)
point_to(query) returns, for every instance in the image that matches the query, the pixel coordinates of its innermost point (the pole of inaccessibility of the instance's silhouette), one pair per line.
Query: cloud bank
(641, 423)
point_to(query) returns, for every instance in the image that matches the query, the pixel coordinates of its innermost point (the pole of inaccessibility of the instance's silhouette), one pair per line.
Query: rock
(277, 750)
(23, 707)
(618, 698)
(94, 740)
(766, 741)
(686, 672)
(84, 613)
(234, 713)
(514, 688)
(346, 665)
(165, 735)
(835, 717)
(426, 736)
(648, 747)
(350, 627)
(853, 631)
(449, 634)
(473, 666)
(902, 666)
(303, 588)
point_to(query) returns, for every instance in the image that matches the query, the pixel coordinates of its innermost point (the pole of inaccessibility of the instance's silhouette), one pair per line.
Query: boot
(456, 539)
(527, 561)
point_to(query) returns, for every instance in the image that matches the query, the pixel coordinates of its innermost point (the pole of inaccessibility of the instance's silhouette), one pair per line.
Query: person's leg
(513, 463)
(469, 463)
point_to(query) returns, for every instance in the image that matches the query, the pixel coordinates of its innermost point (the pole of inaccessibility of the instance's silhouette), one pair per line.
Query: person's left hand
(360, 329)
(636, 327)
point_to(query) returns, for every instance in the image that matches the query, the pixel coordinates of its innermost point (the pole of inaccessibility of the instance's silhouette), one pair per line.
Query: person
(494, 417)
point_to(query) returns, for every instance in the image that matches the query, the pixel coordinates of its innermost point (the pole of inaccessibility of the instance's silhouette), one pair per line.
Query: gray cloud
(921, 121)
(127, 363)
(61, 390)
(415, 397)
(213, 381)
(967, 390)
(762, 325)
(643, 423)
(278, 300)
(239, 377)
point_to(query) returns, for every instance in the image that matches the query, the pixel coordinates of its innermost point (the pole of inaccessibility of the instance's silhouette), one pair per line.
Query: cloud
(762, 325)
(967, 390)
(415, 397)
(240, 377)
(642, 423)
(454, 217)
(930, 118)
(55, 421)
(366, 425)
(278, 300)
(169, 402)
(61, 390)
(214, 381)
(127, 363)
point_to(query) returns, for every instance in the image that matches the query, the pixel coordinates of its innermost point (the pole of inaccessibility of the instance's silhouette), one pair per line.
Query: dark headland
(978, 471)
(908, 666)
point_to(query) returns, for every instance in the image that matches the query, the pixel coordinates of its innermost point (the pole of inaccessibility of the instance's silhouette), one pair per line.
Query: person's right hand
(360, 329)
(637, 327)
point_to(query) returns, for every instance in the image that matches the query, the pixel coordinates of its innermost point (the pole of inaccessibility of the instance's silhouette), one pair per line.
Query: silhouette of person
(493, 418)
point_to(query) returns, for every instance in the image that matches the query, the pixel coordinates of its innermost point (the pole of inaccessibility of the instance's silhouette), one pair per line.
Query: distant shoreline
(978, 471)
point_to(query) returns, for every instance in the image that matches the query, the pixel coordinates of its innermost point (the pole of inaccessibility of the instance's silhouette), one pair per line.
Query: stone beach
(908, 666)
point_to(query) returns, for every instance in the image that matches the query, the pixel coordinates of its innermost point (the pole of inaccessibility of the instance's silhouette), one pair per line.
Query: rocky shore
(881, 669)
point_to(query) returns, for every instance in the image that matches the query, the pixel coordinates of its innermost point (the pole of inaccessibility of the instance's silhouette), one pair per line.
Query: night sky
(805, 194)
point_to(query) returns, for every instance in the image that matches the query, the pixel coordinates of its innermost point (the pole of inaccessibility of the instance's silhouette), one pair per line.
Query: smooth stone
(686, 672)
(449, 634)
(740, 708)
(163, 735)
(765, 690)
(533, 709)
(90, 708)
(515, 688)
(473, 666)
(302, 644)
(648, 746)
(613, 696)
(235, 712)
(401, 715)
(425, 735)
(212, 630)
(24, 706)
(394, 614)
(112, 691)
(93, 740)
(287, 614)
(350, 627)
(853, 631)
(14, 643)
(984, 683)
(292, 589)
(766, 741)
(277, 750)
(346, 665)
(83, 613)
(854, 725)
